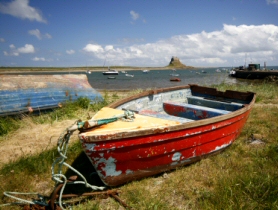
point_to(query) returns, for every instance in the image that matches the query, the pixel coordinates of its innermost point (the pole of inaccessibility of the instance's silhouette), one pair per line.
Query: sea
(159, 78)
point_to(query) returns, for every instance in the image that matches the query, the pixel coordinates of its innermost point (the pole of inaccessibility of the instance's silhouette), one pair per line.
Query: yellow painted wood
(140, 122)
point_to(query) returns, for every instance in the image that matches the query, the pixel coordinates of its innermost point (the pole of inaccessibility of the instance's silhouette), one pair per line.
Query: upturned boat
(160, 130)
(31, 93)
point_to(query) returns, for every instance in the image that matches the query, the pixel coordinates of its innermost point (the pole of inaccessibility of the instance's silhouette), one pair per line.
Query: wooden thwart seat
(223, 105)
(190, 111)
(165, 116)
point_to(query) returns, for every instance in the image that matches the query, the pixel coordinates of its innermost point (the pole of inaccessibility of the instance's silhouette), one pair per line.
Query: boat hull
(152, 147)
(245, 74)
(110, 73)
(29, 93)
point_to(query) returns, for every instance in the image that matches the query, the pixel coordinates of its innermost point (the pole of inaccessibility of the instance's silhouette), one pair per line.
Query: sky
(142, 33)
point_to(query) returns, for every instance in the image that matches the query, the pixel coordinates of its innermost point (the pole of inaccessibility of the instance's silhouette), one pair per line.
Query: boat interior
(189, 106)
(196, 108)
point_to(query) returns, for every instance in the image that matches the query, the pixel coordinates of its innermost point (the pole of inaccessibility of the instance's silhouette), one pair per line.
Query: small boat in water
(30, 93)
(111, 77)
(110, 72)
(129, 75)
(175, 79)
(162, 129)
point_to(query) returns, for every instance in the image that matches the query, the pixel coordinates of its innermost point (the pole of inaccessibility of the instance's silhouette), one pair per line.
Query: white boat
(110, 72)
(218, 70)
(145, 71)
(129, 75)
(173, 74)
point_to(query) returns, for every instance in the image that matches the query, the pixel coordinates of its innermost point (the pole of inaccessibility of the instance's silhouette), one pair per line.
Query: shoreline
(81, 69)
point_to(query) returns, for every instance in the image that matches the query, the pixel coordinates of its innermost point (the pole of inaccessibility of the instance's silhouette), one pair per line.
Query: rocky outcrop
(175, 63)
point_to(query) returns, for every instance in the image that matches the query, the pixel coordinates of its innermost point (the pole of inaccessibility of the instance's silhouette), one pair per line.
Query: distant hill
(175, 63)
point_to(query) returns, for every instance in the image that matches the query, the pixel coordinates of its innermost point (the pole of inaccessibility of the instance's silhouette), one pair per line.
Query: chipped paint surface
(109, 166)
(121, 151)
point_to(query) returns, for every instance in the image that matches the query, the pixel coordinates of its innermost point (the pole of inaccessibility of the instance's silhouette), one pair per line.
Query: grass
(244, 176)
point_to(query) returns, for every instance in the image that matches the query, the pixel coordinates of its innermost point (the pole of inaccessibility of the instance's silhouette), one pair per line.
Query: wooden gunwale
(172, 128)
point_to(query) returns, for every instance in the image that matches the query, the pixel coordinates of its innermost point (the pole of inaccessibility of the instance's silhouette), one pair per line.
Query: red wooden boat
(172, 127)
(175, 79)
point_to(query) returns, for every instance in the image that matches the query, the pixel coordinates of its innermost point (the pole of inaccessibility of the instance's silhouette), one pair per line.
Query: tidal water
(158, 78)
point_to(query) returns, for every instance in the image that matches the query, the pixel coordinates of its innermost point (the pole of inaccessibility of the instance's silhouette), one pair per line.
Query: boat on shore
(32, 93)
(162, 129)
(110, 72)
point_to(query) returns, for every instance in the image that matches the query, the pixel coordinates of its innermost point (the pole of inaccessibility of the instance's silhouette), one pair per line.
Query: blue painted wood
(200, 101)
(165, 116)
(190, 111)
(25, 93)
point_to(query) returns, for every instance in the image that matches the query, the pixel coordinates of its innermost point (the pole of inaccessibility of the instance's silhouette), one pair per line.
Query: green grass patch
(244, 176)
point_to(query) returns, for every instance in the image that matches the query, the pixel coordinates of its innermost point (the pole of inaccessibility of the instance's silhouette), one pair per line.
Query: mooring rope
(62, 147)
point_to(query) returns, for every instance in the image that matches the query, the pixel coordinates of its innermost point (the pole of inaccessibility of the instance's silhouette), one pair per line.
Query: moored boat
(159, 130)
(111, 77)
(129, 75)
(110, 72)
(30, 93)
(253, 71)
(175, 79)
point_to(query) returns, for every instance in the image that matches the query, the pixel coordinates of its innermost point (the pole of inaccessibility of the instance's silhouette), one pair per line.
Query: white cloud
(2, 40)
(134, 15)
(38, 59)
(22, 9)
(109, 47)
(223, 47)
(48, 36)
(70, 52)
(272, 2)
(12, 46)
(93, 48)
(28, 48)
(37, 33)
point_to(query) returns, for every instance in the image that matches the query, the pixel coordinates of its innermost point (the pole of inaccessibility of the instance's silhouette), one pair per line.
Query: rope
(59, 177)
(62, 147)
(127, 116)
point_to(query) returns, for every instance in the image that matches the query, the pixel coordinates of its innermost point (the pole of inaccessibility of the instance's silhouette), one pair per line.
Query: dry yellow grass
(32, 139)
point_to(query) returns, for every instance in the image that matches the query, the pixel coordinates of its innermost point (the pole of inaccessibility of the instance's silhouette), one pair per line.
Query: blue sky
(69, 33)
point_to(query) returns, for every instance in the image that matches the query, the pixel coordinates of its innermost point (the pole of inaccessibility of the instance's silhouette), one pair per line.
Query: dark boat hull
(245, 74)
